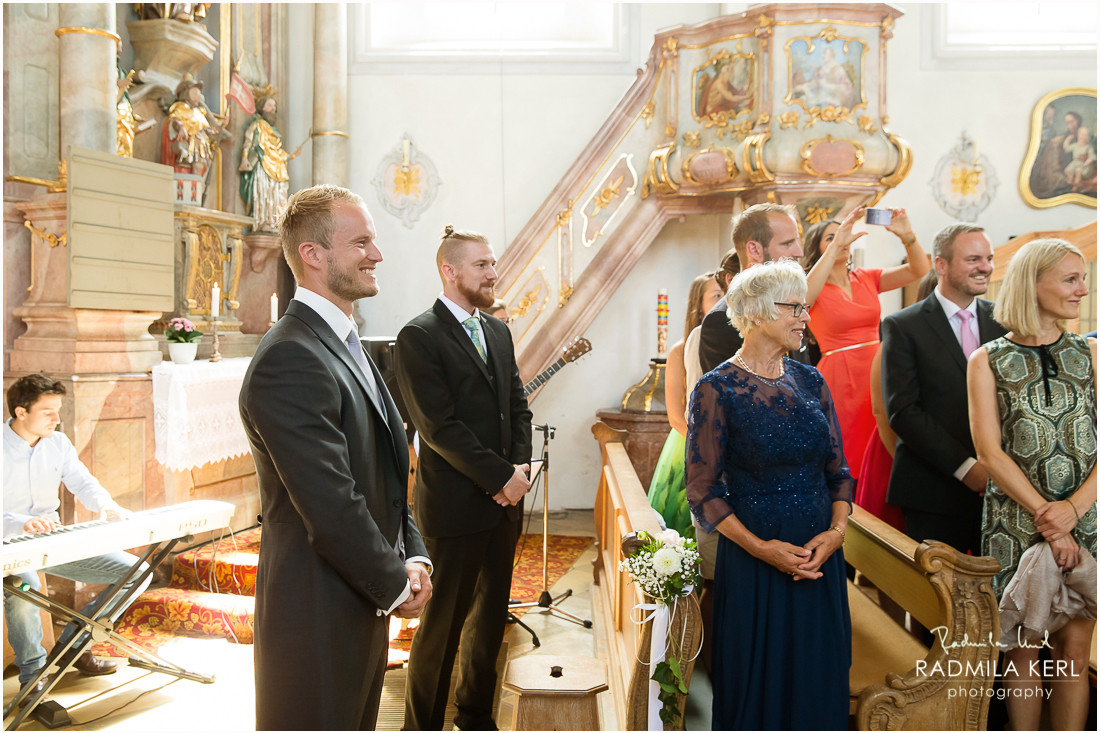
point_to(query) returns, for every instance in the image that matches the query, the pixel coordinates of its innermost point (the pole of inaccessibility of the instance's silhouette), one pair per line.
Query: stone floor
(136, 700)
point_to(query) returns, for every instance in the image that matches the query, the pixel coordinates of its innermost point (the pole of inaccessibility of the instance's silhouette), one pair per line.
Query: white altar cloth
(196, 420)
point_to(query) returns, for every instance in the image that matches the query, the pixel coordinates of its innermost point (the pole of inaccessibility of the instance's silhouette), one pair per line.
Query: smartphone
(536, 466)
(882, 217)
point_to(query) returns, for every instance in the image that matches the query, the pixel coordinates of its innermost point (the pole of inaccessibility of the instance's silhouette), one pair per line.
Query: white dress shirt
(951, 310)
(342, 324)
(33, 474)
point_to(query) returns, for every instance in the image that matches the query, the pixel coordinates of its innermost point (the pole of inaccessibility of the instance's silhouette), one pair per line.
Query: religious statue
(264, 180)
(187, 12)
(191, 131)
(126, 124)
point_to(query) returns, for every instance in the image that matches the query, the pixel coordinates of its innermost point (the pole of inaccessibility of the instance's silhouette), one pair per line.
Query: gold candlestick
(217, 355)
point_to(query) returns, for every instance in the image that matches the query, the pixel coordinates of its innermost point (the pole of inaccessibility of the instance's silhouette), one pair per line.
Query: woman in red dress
(845, 313)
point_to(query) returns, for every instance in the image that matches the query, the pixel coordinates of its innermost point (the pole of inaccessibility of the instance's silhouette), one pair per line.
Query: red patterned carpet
(211, 593)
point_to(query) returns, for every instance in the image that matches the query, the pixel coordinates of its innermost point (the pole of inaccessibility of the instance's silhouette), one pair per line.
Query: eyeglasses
(796, 307)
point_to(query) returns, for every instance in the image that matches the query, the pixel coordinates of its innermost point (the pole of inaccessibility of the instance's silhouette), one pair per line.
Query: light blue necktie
(471, 325)
(355, 346)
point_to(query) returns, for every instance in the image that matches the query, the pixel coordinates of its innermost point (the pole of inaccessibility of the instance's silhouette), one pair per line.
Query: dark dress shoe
(39, 686)
(88, 665)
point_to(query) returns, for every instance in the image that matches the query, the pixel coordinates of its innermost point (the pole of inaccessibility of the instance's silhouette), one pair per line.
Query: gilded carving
(905, 159)
(833, 150)
(691, 139)
(964, 181)
(816, 214)
(617, 186)
(866, 124)
(752, 158)
(657, 177)
(788, 120)
(526, 308)
(605, 196)
(647, 112)
(826, 78)
(51, 239)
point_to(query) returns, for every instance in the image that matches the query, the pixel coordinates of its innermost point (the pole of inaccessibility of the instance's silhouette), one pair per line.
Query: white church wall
(500, 142)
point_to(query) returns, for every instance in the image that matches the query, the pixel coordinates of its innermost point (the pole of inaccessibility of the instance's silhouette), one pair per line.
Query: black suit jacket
(718, 339)
(473, 420)
(924, 387)
(332, 476)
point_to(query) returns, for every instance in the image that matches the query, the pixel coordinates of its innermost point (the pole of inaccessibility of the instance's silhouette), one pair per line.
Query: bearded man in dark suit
(936, 478)
(340, 551)
(457, 372)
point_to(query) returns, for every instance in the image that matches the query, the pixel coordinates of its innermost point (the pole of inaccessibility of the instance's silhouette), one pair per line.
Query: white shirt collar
(340, 323)
(950, 308)
(458, 311)
(14, 440)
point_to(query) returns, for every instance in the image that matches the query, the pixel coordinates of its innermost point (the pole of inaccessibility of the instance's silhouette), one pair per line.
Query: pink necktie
(967, 338)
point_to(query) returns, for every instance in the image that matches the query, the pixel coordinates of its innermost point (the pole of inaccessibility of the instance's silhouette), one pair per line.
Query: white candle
(215, 301)
(274, 307)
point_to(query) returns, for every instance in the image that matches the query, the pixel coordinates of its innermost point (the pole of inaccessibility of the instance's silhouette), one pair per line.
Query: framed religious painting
(1060, 165)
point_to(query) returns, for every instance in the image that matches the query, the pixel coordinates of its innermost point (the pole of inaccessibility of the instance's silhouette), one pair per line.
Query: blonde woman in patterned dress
(1032, 400)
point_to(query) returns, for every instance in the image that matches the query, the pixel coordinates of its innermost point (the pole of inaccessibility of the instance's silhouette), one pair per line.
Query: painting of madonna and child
(1062, 153)
(826, 73)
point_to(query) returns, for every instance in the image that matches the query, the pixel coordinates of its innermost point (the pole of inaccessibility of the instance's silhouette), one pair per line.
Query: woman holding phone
(845, 313)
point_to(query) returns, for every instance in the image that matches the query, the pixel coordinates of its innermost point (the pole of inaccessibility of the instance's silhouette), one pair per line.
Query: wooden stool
(556, 692)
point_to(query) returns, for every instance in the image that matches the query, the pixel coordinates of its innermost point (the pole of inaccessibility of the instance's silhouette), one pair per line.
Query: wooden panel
(120, 233)
(118, 460)
(885, 556)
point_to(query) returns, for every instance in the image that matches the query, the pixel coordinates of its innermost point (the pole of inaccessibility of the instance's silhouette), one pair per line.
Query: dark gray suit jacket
(924, 387)
(332, 474)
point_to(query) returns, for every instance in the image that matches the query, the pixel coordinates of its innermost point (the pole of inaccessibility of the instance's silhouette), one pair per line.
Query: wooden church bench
(896, 683)
(622, 508)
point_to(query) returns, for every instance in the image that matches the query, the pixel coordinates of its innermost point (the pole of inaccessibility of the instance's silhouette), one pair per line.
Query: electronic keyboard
(28, 552)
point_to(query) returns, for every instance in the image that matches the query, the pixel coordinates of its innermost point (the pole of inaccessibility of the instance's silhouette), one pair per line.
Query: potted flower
(183, 340)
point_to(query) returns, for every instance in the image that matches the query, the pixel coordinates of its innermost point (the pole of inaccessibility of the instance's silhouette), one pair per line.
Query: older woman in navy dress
(766, 469)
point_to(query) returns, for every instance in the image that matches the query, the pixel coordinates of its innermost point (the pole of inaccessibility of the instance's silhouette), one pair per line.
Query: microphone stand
(545, 601)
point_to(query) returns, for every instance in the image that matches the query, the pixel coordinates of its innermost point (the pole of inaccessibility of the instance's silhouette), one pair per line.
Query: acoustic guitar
(574, 351)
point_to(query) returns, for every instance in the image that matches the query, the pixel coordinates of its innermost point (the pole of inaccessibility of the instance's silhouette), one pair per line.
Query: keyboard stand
(99, 629)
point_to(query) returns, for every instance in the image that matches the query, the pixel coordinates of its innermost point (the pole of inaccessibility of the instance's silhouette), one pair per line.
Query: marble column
(330, 94)
(87, 49)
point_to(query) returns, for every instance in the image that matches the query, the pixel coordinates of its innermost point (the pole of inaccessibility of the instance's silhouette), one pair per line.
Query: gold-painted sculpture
(264, 179)
(191, 131)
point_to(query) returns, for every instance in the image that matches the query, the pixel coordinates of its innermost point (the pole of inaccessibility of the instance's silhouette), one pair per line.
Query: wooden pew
(622, 508)
(896, 683)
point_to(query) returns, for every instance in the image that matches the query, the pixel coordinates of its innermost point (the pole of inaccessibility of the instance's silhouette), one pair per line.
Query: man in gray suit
(340, 551)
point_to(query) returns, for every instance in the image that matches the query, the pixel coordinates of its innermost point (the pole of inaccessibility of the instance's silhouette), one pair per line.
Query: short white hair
(754, 291)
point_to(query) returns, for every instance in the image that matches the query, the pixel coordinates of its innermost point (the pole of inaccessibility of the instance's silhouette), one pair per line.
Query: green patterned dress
(1046, 396)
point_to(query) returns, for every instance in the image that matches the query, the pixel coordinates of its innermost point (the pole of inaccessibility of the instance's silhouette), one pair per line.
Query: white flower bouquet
(666, 566)
(667, 569)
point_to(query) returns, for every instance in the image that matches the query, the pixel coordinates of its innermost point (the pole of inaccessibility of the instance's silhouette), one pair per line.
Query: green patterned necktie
(471, 325)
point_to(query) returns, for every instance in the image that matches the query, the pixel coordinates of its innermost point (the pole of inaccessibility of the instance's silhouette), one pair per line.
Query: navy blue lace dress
(771, 454)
